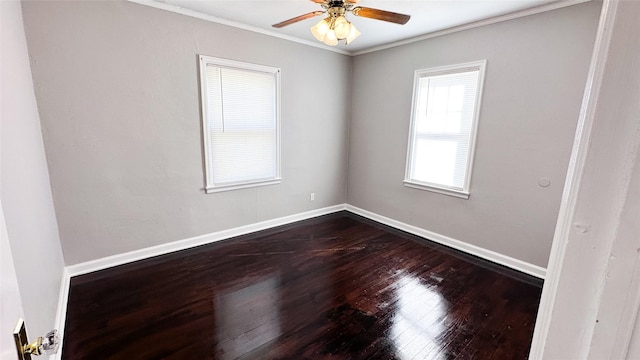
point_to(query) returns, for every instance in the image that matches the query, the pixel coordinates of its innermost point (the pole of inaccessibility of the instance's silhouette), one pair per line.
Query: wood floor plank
(334, 287)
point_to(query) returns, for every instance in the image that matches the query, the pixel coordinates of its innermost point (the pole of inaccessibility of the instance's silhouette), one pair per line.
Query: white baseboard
(131, 256)
(61, 313)
(492, 256)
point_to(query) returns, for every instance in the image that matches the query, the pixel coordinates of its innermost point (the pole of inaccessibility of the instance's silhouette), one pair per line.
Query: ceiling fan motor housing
(334, 12)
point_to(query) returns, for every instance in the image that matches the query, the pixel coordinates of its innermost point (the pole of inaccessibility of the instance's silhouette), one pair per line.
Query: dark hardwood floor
(333, 287)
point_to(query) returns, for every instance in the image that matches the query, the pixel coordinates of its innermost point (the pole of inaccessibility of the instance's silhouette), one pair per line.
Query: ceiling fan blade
(298, 18)
(380, 15)
(318, 1)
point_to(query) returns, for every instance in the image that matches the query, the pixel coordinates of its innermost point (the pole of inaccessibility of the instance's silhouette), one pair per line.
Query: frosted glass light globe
(320, 29)
(342, 27)
(330, 38)
(353, 34)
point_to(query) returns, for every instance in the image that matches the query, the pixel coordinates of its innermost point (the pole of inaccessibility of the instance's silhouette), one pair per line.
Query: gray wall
(25, 193)
(535, 76)
(117, 90)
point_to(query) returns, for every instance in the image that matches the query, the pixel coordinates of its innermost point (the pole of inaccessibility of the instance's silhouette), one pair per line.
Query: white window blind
(240, 124)
(443, 126)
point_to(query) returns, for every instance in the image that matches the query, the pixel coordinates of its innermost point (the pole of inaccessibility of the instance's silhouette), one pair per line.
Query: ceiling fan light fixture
(336, 27)
(330, 38)
(320, 29)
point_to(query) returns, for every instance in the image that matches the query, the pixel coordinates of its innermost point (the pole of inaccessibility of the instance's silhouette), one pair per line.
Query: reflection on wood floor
(333, 287)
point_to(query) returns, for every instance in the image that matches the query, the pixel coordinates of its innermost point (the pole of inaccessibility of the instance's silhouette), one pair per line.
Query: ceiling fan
(336, 27)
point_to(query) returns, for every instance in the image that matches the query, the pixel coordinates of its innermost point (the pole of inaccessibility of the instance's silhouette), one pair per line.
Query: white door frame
(582, 262)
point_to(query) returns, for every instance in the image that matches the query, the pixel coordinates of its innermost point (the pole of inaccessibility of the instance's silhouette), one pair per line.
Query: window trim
(210, 186)
(464, 193)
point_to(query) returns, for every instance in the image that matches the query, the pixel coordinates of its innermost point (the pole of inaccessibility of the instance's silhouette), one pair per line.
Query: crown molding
(235, 24)
(473, 25)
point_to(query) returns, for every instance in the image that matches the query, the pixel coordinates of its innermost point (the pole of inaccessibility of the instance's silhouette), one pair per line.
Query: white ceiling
(427, 16)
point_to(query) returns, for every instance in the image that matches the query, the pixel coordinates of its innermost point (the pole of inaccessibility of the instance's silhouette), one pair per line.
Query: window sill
(450, 192)
(221, 188)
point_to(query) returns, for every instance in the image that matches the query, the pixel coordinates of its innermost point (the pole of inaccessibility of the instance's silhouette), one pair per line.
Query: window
(240, 121)
(446, 103)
